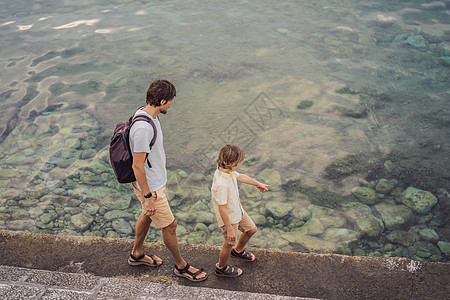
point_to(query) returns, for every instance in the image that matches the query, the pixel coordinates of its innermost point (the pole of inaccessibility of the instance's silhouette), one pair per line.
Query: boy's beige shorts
(163, 216)
(244, 225)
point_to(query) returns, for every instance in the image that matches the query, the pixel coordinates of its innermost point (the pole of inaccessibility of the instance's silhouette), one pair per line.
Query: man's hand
(149, 207)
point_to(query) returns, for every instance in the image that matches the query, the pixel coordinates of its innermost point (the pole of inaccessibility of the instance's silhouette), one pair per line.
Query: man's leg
(142, 226)
(170, 240)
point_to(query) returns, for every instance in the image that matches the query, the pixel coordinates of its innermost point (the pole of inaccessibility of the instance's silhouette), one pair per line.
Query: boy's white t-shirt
(225, 191)
(141, 134)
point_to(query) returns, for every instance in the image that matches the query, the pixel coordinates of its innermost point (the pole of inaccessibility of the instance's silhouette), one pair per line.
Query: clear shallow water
(324, 97)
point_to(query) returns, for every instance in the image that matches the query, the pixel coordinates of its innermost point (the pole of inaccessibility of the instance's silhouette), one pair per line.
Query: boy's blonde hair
(229, 156)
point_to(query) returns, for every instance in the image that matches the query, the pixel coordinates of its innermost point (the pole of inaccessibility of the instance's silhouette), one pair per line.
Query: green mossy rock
(340, 235)
(272, 178)
(444, 247)
(122, 226)
(305, 104)
(361, 215)
(258, 219)
(401, 237)
(279, 210)
(48, 217)
(365, 194)
(418, 200)
(428, 234)
(385, 186)
(302, 214)
(81, 221)
(117, 214)
(395, 216)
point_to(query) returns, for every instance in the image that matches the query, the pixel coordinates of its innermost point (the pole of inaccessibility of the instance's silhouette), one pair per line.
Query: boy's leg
(222, 269)
(244, 238)
(248, 228)
(224, 254)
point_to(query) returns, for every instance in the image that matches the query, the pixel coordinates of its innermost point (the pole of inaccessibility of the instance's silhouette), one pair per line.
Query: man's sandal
(188, 274)
(228, 271)
(137, 261)
(244, 255)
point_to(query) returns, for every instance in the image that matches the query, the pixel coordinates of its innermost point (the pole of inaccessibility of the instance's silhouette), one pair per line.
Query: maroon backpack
(120, 152)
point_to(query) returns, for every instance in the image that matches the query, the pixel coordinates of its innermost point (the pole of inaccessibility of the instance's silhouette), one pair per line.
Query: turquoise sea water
(341, 106)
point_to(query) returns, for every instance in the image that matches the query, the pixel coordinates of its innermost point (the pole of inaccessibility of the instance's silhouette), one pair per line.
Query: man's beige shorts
(244, 225)
(163, 216)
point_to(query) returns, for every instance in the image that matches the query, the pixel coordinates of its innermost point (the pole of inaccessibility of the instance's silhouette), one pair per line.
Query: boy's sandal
(137, 261)
(244, 255)
(185, 273)
(228, 271)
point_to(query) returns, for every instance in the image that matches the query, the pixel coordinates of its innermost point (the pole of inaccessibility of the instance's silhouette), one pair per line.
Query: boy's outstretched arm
(248, 180)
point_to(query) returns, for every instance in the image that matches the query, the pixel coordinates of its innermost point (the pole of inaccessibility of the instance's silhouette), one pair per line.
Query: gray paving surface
(23, 283)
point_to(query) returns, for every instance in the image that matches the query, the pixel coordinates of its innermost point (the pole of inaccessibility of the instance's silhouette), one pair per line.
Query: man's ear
(163, 102)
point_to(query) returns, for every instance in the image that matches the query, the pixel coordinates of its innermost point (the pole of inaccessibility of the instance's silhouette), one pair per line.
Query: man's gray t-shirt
(141, 134)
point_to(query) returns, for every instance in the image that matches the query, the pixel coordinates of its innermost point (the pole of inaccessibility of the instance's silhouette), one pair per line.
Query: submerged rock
(395, 216)
(272, 178)
(312, 243)
(385, 186)
(312, 227)
(401, 237)
(362, 216)
(365, 194)
(122, 226)
(301, 214)
(21, 225)
(48, 217)
(443, 48)
(418, 200)
(117, 214)
(428, 234)
(445, 60)
(279, 209)
(81, 221)
(259, 219)
(444, 247)
(340, 235)
(423, 250)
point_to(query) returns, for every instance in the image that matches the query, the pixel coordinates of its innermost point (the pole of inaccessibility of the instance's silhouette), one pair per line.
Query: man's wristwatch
(149, 195)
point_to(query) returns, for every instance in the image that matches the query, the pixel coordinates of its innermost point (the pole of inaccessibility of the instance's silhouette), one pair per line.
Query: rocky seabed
(378, 219)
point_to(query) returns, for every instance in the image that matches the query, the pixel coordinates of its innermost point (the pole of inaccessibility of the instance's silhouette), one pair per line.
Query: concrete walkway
(22, 283)
(96, 268)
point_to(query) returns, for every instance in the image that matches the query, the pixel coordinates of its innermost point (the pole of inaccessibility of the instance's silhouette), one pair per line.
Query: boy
(228, 209)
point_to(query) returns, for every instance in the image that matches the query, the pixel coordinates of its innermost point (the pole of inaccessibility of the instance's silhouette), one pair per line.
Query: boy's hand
(231, 234)
(262, 187)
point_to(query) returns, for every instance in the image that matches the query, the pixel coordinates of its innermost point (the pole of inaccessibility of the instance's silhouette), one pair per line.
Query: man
(151, 177)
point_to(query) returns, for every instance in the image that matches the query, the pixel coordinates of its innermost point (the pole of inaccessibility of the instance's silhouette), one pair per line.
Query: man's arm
(231, 234)
(248, 180)
(139, 172)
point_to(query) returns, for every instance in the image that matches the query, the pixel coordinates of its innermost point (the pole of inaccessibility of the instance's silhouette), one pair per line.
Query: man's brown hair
(229, 156)
(159, 90)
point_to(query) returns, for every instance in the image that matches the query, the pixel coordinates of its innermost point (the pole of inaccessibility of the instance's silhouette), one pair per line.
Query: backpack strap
(150, 121)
